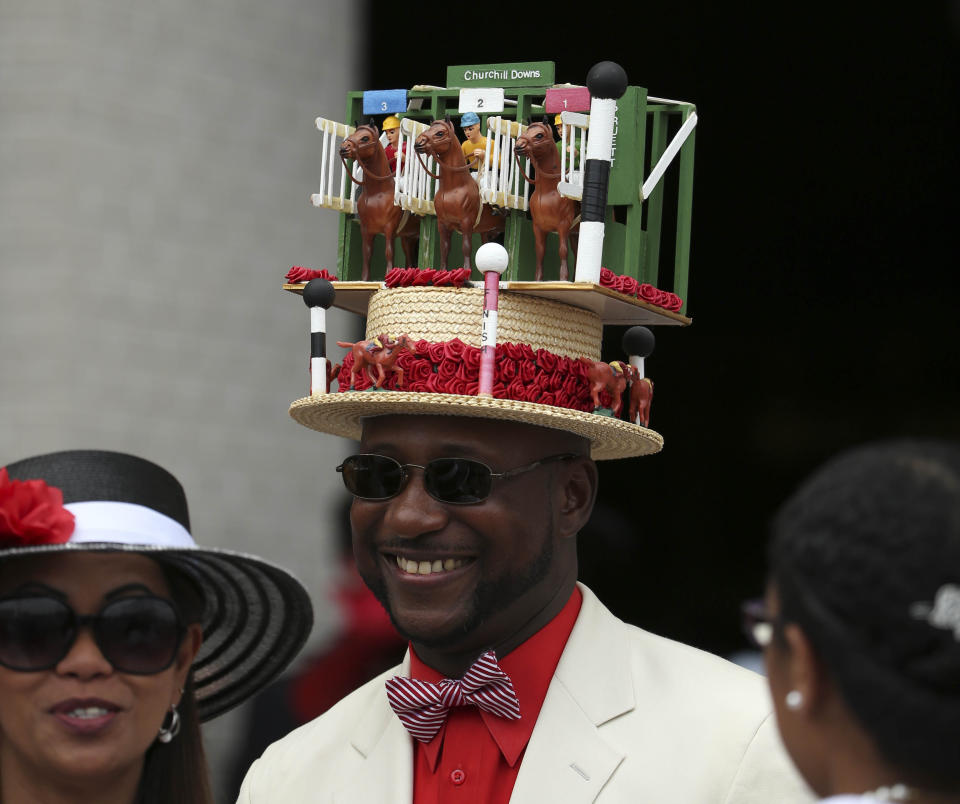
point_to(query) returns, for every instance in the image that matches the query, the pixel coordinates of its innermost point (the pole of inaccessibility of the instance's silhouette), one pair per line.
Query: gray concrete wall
(156, 161)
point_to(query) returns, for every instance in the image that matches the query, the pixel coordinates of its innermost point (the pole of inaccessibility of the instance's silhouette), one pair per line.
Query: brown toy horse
(380, 353)
(457, 197)
(641, 395)
(375, 208)
(550, 211)
(610, 377)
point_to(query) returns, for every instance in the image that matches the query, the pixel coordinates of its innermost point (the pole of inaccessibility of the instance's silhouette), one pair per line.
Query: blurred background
(156, 162)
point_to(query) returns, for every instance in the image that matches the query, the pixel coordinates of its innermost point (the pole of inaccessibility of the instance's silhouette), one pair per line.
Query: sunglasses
(757, 623)
(457, 481)
(138, 635)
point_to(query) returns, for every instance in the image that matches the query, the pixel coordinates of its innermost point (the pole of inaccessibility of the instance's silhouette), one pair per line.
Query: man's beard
(489, 597)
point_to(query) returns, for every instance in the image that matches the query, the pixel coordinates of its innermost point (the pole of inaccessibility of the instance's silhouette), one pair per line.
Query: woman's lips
(85, 715)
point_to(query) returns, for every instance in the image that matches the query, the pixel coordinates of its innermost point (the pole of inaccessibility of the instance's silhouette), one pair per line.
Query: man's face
(472, 132)
(507, 560)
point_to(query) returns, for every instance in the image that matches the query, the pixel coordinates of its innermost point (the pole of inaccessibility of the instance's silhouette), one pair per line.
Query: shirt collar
(530, 666)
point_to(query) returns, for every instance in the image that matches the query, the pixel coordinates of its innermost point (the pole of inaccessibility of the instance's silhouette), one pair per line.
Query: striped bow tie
(423, 706)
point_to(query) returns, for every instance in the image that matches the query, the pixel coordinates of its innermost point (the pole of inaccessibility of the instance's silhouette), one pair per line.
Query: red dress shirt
(475, 756)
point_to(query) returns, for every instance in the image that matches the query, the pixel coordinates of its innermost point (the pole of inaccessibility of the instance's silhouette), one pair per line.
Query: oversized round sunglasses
(458, 481)
(138, 635)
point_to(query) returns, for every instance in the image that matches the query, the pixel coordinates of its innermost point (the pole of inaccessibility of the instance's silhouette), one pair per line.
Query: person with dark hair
(862, 625)
(119, 635)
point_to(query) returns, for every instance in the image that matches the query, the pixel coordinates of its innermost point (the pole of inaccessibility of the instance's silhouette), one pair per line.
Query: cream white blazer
(628, 717)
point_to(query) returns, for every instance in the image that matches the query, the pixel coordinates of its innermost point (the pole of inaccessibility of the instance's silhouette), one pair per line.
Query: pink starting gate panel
(567, 99)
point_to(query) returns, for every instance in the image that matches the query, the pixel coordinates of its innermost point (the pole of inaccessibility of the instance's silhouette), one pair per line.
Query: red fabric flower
(300, 274)
(507, 370)
(424, 277)
(419, 371)
(453, 350)
(31, 512)
(435, 353)
(459, 276)
(547, 361)
(649, 293)
(607, 278)
(471, 358)
(447, 369)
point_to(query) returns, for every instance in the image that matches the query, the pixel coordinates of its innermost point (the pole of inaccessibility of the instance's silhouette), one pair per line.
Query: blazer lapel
(386, 747)
(567, 760)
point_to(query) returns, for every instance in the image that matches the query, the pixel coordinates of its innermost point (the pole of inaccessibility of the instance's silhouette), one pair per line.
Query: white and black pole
(607, 82)
(638, 343)
(318, 295)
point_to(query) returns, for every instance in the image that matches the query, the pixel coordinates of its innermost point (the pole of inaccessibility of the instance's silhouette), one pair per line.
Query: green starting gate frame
(632, 241)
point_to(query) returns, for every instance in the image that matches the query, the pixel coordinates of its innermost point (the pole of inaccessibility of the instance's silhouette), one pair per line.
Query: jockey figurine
(475, 145)
(391, 127)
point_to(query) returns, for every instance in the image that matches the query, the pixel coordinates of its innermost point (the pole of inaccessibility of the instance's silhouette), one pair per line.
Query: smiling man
(518, 685)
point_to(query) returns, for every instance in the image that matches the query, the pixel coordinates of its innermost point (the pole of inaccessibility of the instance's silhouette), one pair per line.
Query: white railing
(573, 153)
(414, 188)
(501, 182)
(336, 190)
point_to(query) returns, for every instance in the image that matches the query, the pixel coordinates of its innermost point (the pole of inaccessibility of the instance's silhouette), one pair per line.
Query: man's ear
(577, 494)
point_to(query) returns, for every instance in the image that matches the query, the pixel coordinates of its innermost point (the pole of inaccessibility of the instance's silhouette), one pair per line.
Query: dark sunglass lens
(458, 480)
(35, 632)
(373, 477)
(139, 634)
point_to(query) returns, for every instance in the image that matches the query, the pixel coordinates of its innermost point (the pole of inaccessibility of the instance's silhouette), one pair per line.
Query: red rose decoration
(607, 278)
(420, 348)
(547, 361)
(423, 277)
(506, 370)
(454, 349)
(457, 386)
(517, 389)
(471, 358)
(528, 370)
(459, 277)
(435, 353)
(300, 274)
(674, 302)
(392, 279)
(447, 369)
(510, 350)
(31, 512)
(649, 293)
(546, 398)
(419, 372)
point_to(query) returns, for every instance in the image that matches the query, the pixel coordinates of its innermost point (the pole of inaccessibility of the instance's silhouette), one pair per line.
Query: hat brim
(256, 619)
(342, 414)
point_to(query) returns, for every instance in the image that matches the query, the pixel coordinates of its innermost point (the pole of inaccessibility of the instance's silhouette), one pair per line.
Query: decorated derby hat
(473, 328)
(256, 615)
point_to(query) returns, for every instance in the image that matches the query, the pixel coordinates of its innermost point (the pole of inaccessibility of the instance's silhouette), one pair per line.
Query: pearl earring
(794, 700)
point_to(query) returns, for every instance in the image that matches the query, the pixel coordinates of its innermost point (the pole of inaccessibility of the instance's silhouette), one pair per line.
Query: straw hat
(543, 350)
(257, 616)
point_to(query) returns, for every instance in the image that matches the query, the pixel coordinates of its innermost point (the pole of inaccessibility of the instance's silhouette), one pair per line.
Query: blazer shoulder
(324, 742)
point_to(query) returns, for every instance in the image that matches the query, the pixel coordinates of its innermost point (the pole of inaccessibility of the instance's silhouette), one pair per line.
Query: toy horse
(457, 197)
(375, 207)
(380, 353)
(550, 211)
(609, 377)
(641, 395)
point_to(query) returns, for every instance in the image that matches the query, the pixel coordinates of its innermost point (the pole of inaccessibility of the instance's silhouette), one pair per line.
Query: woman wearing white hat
(119, 635)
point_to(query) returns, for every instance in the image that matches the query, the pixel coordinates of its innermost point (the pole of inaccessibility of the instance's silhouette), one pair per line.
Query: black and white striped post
(318, 295)
(607, 82)
(638, 343)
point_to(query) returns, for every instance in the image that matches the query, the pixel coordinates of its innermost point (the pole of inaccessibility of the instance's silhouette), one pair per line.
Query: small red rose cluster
(643, 291)
(31, 512)
(410, 277)
(453, 367)
(300, 274)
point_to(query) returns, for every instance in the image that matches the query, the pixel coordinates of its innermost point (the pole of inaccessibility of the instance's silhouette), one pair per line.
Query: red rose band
(453, 367)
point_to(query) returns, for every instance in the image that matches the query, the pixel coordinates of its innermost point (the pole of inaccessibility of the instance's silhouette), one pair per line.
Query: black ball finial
(319, 293)
(607, 80)
(638, 341)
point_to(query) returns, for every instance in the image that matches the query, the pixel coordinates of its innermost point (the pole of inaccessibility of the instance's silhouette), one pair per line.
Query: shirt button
(458, 776)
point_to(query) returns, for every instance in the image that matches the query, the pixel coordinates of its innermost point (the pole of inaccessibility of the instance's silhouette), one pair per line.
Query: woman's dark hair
(858, 556)
(177, 771)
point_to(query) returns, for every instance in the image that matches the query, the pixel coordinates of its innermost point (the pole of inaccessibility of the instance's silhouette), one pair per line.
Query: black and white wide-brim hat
(256, 616)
